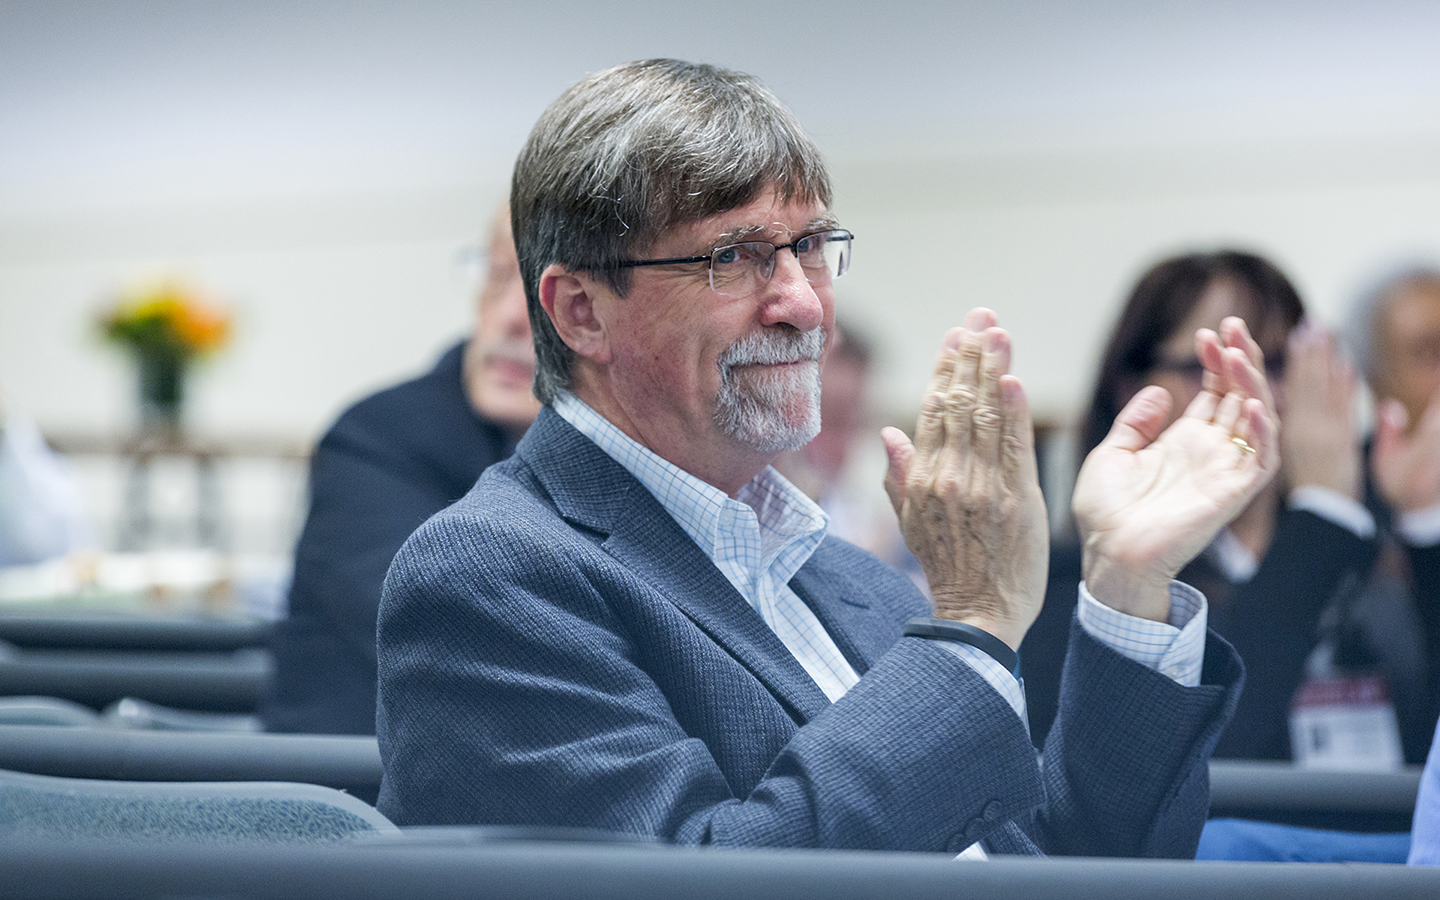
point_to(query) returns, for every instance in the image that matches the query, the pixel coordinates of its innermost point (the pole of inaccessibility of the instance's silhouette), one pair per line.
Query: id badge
(1345, 723)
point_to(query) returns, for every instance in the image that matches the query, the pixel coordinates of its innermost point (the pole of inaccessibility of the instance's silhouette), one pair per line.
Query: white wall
(1054, 243)
(319, 165)
(332, 296)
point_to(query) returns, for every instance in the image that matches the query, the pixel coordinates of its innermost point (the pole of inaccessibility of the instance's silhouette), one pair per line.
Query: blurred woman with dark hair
(1301, 542)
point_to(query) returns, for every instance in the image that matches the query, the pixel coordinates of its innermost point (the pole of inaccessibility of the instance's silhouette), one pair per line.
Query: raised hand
(1147, 501)
(1319, 445)
(1407, 465)
(967, 492)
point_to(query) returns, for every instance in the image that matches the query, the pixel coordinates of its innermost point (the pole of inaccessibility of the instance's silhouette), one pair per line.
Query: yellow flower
(168, 320)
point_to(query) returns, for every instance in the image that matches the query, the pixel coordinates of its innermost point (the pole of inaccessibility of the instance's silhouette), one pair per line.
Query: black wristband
(947, 630)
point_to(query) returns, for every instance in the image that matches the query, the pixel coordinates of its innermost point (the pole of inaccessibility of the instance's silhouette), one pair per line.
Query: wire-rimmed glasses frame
(741, 267)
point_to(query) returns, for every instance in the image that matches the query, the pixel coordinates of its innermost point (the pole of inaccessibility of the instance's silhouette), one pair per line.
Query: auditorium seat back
(45, 807)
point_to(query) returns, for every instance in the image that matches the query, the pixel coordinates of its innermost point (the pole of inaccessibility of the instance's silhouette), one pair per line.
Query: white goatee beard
(772, 411)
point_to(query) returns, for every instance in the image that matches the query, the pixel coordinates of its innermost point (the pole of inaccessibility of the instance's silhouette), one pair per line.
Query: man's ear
(569, 299)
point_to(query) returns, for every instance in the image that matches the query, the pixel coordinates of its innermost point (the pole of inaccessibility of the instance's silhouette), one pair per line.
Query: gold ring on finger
(1243, 444)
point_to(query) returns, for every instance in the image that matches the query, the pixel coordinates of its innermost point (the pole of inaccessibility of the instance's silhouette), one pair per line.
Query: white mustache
(767, 348)
(520, 354)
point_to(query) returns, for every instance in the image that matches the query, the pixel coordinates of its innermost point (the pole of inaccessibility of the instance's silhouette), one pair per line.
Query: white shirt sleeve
(1175, 649)
(1335, 507)
(1000, 678)
(1420, 528)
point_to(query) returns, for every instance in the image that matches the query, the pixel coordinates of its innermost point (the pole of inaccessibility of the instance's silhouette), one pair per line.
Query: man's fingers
(1141, 421)
(979, 319)
(1246, 377)
(963, 396)
(930, 428)
(1204, 405)
(1263, 434)
(987, 419)
(1211, 354)
(1235, 333)
(1247, 367)
(1227, 414)
(1017, 445)
(899, 452)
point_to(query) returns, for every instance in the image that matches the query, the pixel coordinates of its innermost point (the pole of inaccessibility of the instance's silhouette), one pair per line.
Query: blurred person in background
(389, 463)
(1395, 329)
(1425, 833)
(41, 514)
(1303, 541)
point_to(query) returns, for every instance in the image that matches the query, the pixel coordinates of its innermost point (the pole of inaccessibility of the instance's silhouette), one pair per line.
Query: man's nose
(513, 312)
(789, 298)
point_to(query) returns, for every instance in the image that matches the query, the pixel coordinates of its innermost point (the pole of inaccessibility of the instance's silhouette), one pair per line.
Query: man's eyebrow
(743, 233)
(753, 232)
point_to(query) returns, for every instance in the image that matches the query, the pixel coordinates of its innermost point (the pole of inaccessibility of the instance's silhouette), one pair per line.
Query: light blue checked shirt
(762, 537)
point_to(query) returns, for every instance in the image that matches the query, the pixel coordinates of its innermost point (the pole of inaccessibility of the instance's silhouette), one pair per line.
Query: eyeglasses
(1193, 368)
(740, 269)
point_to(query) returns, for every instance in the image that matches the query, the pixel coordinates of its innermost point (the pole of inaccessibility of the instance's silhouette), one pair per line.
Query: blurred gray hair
(633, 151)
(1368, 313)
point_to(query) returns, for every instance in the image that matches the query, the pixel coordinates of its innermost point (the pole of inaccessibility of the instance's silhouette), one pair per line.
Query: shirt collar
(790, 525)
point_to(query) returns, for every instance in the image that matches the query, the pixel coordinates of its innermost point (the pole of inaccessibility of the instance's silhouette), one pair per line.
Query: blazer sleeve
(1127, 760)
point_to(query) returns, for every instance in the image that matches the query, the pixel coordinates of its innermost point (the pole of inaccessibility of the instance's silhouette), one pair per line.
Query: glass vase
(162, 391)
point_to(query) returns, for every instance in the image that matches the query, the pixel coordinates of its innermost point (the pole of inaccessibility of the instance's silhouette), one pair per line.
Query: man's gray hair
(1367, 315)
(633, 151)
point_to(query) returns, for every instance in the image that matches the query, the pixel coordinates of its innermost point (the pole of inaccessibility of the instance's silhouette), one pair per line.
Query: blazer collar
(595, 492)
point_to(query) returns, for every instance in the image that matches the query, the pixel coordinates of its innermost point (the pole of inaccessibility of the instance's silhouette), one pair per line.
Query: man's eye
(726, 256)
(806, 245)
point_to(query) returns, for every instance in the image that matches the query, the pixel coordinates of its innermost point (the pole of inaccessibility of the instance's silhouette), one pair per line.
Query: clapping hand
(1148, 501)
(967, 492)
(1319, 446)
(1407, 465)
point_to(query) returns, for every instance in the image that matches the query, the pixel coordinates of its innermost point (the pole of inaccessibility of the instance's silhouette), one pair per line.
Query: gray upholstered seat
(45, 711)
(133, 713)
(42, 806)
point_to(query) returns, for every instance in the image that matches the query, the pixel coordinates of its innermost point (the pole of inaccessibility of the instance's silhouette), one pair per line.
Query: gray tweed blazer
(555, 650)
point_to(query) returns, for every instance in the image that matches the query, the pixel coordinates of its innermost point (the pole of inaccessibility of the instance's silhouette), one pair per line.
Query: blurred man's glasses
(737, 270)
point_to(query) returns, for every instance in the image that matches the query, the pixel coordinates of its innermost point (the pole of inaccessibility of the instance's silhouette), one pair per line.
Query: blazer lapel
(592, 490)
(842, 604)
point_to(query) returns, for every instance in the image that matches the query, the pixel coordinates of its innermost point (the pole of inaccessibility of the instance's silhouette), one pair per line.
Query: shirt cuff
(1420, 528)
(1175, 649)
(1000, 678)
(1338, 509)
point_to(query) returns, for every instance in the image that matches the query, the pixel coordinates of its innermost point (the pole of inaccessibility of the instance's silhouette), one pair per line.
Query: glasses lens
(740, 268)
(824, 255)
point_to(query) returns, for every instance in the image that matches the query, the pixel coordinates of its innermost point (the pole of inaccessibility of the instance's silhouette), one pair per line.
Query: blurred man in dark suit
(389, 463)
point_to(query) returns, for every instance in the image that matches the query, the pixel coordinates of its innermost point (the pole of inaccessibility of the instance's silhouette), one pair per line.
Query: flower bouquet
(165, 328)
